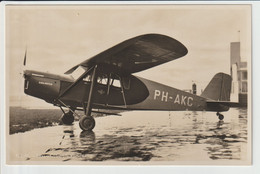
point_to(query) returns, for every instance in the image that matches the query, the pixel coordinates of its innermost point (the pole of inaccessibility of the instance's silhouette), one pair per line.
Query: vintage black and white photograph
(128, 84)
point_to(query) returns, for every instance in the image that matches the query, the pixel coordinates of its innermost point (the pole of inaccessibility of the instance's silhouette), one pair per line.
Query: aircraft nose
(25, 74)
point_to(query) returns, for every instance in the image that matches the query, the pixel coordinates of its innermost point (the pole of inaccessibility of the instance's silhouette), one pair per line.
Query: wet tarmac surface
(189, 137)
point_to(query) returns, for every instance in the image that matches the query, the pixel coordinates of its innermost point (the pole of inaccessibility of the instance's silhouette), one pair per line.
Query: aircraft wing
(137, 54)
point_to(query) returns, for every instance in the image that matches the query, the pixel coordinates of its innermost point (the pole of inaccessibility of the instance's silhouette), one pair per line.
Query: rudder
(219, 88)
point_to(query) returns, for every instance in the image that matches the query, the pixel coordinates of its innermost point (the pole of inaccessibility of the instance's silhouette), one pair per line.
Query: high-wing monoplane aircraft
(108, 83)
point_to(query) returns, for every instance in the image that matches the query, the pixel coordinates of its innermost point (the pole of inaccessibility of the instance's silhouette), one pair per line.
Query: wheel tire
(221, 117)
(67, 119)
(87, 123)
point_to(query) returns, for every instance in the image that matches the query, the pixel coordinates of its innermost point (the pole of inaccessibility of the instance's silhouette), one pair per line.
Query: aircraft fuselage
(125, 92)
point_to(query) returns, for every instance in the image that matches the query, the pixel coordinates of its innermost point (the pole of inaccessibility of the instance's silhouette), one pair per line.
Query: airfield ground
(22, 119)
(176, 137)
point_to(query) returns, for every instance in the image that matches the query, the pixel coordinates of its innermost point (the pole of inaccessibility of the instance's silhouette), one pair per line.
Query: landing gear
(87, 123)
(220, 116)
(67, 118)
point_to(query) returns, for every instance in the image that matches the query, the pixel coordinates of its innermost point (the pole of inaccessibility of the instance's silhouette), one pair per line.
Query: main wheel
(67, 118)
(87, 123)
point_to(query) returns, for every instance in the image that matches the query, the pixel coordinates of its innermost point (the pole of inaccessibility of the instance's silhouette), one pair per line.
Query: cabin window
(87, 78)
(116, 83)
(102, 79)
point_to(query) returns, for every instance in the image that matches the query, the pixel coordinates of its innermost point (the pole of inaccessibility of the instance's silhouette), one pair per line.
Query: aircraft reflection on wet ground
(142, 136)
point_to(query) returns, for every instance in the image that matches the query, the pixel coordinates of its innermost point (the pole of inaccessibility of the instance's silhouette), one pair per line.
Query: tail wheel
(67, 118)
(87, 123)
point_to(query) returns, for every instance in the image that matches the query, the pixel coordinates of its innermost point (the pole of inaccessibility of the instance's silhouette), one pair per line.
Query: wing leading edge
(137, 54)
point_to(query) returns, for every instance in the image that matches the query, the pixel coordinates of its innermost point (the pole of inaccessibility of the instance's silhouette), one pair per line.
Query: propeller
(24, 59)
(22, 68)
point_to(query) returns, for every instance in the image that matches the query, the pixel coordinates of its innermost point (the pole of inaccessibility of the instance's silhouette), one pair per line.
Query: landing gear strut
(220, 116)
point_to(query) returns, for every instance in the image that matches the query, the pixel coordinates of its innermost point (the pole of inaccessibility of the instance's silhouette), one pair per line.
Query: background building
(239, 75)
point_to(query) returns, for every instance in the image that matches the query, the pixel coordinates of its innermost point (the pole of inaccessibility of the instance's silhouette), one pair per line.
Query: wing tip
(166, 41)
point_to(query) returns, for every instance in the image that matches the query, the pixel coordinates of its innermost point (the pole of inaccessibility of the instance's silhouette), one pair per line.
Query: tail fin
(218, 88)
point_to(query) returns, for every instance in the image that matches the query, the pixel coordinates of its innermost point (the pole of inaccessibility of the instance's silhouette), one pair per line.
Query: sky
(58, 37)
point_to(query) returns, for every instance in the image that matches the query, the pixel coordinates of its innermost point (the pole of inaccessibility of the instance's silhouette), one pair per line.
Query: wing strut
(122, 90)
(108, 88)
(75, 83)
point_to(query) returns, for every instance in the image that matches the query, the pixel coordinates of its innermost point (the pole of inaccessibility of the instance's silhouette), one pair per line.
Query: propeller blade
(24, 60)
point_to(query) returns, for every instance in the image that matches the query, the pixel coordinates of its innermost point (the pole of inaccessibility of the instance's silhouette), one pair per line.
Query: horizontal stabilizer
(224, 103)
